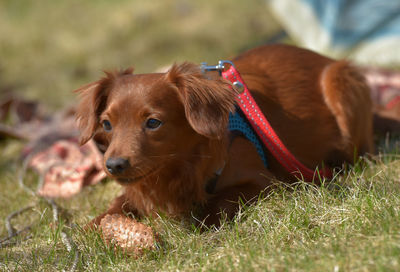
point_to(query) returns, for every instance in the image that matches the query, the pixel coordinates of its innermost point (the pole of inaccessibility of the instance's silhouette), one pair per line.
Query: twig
(65, 238)
(22, 174)
(70, 245)
(12, 232)
(4, 242)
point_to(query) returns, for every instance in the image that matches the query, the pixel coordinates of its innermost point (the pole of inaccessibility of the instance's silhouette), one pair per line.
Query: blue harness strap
(239, 124)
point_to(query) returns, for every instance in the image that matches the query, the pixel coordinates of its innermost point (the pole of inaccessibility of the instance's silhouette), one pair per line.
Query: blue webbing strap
(238, 123)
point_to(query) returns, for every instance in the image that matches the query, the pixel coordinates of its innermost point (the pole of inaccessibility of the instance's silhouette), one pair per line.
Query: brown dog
(164, 135)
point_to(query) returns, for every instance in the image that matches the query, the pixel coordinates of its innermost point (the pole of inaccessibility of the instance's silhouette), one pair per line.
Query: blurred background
(49, 48)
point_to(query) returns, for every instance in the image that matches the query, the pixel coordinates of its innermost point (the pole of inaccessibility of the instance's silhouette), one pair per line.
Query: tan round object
(127, 233)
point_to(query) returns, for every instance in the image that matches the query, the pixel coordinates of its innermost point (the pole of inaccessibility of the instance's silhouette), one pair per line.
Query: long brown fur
(319, 107)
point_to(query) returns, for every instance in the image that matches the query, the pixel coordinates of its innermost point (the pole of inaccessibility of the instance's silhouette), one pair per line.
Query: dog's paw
(130, 235)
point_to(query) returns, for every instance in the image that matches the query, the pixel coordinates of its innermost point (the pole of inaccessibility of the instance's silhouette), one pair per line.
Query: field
(49, 48)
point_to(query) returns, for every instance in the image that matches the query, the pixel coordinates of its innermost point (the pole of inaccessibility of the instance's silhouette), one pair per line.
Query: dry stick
(65, 238)
(5, 242)
(69, 244)
(11, 230)
(21, 176)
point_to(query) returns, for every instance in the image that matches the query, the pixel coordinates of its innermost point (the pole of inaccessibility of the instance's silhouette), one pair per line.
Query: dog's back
(320, 108)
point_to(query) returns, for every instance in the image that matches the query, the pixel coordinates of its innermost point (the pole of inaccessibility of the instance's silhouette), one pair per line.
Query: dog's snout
(117, 165)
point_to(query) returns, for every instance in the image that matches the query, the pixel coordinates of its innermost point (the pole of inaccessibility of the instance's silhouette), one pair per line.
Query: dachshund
(164, 136)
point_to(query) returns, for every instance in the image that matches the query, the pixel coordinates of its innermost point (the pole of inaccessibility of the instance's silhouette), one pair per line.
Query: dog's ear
(92, 102)
(207, 102)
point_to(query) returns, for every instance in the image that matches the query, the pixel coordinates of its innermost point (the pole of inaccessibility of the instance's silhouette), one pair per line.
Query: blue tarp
(367, 31)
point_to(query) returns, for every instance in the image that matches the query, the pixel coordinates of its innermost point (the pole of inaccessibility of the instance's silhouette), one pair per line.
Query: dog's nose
(117, 165)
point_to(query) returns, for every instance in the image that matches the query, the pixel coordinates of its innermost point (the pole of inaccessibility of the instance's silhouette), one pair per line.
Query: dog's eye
(153, 123)
(107, 125)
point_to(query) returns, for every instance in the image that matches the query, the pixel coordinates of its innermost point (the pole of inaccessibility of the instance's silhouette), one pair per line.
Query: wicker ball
(130, 235)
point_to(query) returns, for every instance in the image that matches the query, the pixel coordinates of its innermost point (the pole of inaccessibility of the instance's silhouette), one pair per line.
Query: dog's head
(145, 122)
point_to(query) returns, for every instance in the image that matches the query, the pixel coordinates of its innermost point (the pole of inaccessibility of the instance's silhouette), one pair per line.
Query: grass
(48, 48)
(350, 224)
